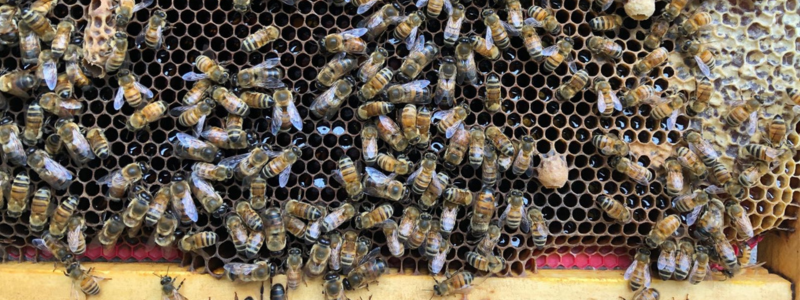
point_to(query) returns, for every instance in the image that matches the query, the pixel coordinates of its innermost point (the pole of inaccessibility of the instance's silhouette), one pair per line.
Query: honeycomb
(580, 234)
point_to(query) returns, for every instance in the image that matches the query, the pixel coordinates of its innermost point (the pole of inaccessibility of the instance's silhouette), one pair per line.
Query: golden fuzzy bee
(209, 69)
(377, 59)
(149, 113)
(752, 174)
(168, 289)
(419, 232)
(82, 280)
(453, 27)
(327, 104)
(347, 257)
(422, 54)
(248, 164)
(674, 178)
(636, 172)
(615, 209)
(260, 38)
(255, 99)
(500, 141)
(203, 191)
(415, 92)
(212, 172)
(369, 143)
(744, 112)
(112, 229)
(18, 83)
(605, 23)
(490, 263)
(433, 192)
(197, 241)
(198, 92)
(228, 100)
(739, 219)
(498, 32)
(450, 120)
(10, 141)
(557, 54)
(389, 132)
(61, 216)
(604, 46)
(374, 217)
(64, 108)
(658, 29)
(303, 210)
(369, 268)
(379, 21)
(219, 137)
(702, 56)
(725, 251)
(545, 18)
(75, 142)
(458, 283)
(793, 94)
(399, 165)
(284, 114)
(76, 239)
(692, 203)
(165, 230)
(407, 222)
(647, 293)
(338, 216)
(130, 90)
(638, 273)
(514, 215)
(62, 38)
(423, 126)
(407, 29)
(445, 88)
(700, 269)
(370, 89)
(293, 263)
(238, 232)
(153, 33)
(532, 40)
(479, 45)
(126, 8)
(137, 208)
(683, 259)
(493, 99)
(40, 206)
(573, 86)
(98, 141)
(669, 108)
(48, 69)
(649, 62)
(281, 164)
(523, 161)
(118, 181)
(34, 118)
(687, 159)
(196, 114)
(118, 53)
(181, 198)
(74, 69)
(711, 221)
(349, 176)
(348, 41)
(763, 153)
(694, 23)
(425, 175)
(390, 230)
(490, 167)
(38, 23)
(318, 258)
(190, 147)
(332, 287)
(485, 206)
(607, 100)
(641, 94)
(30, 46)
(775, 131)
(258, 271)
(477, 140)
(263, 75)
(64, 87)
(56, 175)
(339, 66)
(703, 148)
(434, 7)
(465, 62)
(456, 148)
(673, 9)
(662, 230)
(372, 109)
(9, 30)
(54, 246)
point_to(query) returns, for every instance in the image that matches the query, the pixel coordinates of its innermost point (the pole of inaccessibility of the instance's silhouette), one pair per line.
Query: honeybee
(389, 132)
(303, 210)
(673, 9)
(204, 192)
(400, 165)
(607, 100)
(13, 151)
(514, 214)
(569, 89)
(260, 38)
(458, 283)
(649, 62)
(485, 206)
(125, 10)
(209, 69)
(557, 54)
(314, 229)
(197, 241)
(499, 140)
(490, 167)
(61, 215)
(379, 21)
(739, 219)
(683, 259)
(372, 109)
(691, 203)
(605, 23)
(76, 144)
(293, 263)
(647, 293)
(435, 7)
(415, 92)
(38, 23)
(451, 119)
(373, 65)
(498, 31)
(700, 268)
(348, 41)
(636, 172)
(480, 46)
(98, 141)
(118, 53)
(264, 75)
(294, 226)
(775, 131)
(457, 148)
(259, 271)
(233, 126)
(332, 287)
(153, 33)
(165, 230)
(531, 40)
(420, 56)
(285, 112)
(701, 147)
(63, 87)
(62, 37)
(689, 160)
(30, 47)
(493, 93)
(168, 289)
(725, 251)
(465, 62)
(657, 31)
(258, 192)
(181, 197)
(420, 179)
(327, 104)
(545, 18)
(198, 92)
(149, 113)
(752, 174)
(189, 147)
(349, 176)
(674, 177)
(666, 259)
(669, 108)
(137, 209)
(248, 164)
(194, 115)
(54, 246)
(639, 271)
(219, 137)
(445, 89)
(53, 144)
(281, 164)
(434, 191)
(694, 23)
(238, 233)
(453, 27)
(489, 263)
(615, 209)
(406, 30)
(9, 31)
(420, 231)
(76, 239)
(662, 230)
(348, 245)
(390, 230)
(253, 245)
(56, 175)
(40, 207)
(604, 46)
(338, 216)
(369, 143)
(18, 83)
(458, 196)
(763, 153)
(229, 101)
(374, 217)
(82, 280)
(339, 66)
(407, 222)
(112, 229)
(523, 162)
(711, 221)
(74, 69)
(745, 112)
(211, 172)
(34, 117)
(702, 56)
(318, 258)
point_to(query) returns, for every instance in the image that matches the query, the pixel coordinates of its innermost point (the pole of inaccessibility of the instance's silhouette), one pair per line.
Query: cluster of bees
(346, 260)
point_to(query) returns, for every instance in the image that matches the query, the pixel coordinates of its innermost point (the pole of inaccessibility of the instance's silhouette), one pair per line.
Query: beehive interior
(575, 223)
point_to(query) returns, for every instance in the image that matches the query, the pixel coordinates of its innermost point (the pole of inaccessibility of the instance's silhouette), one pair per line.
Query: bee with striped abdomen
(482, 212)
(638, 273)
(98, 141)
(10, 143)
(38, 23)
(683, 259)
(374, 217)
(497, 31)
(327, 104)
(209, 69)
(40, 208)
(407, 29)
(62, 38)
(538, 229)
(636, 172)
(112, 229)
(148, 114)
(341, 65)
(694, 23)
(605, 23)
(456, 148)
(349, 176)
(453, 27)
(739, 219)
(318, 258)
(194, 115)
(649, 62)
(744, 112)
(544, 18)
(118, 52)
(658, 29)
(153, 33)
(480, 46)
(702, 56)
(674, 178)
(662, 230)
(18, 195)
(692, 203)
(514, 215)
(573, 86)
(465, 62)
(389, 132)
(348, 41)
(703, 148)
(615, 209)
(377, 59)
(434, 191)
(34, 118)
(490, 263)
(673, 9)
(445, 88)
(380, 20)
(458, 283)
(285, 114)
(669, 108)
(369, 143)
(421, 55)
(197, 241)
(168, 289)
(258, 271)
(700, 268)
(607, 101)
(420, 179)
(281, 164)
(82, 280)
(557, 54)
(260, 38)
(604, 46)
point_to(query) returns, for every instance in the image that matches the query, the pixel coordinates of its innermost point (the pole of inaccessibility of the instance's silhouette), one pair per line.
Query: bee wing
(414, 176)
(357, 32)
(449, 132)
(107, 179)
(512, 31)
(418, 84)
(692, 216)
(702, 66)
(365, 7)
(371, 148)
(119, 98)
(505, 215)
(268, 63)
(192, 76)
(601, 102)
(412, 38)
(140, 37)
(57, 169)
(233, 161)
(188, 206)
(672, 119)
(74, 239)
(240, 268)
(376, 175)
(288, 2)
(75, 293)
(451, 23)
(549, 51)
(630, 270)
(337, 174)
(525, 225)
(615, 100)
(159, 37)
(370, 256)
(177, 111)
(41, 245)
(294, 116)
(694, 269)
(752, 125)
(715, 190)
(50, 72)
(647, 278)
(665, 260)
(448, 7)
(421, 3)
(143, 89)
(533, 22)
(606, 5)
(283, 178)
(200, 124)
(141, 5)
(277, 120)
(488, 38)
(190, 141)
(175, 296)
(437, 184)
(743, 224)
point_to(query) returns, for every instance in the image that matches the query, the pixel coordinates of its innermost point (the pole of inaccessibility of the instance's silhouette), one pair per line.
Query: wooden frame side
(781, 254)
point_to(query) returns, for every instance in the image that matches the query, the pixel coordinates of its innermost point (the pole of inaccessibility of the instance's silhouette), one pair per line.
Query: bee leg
(304, 281)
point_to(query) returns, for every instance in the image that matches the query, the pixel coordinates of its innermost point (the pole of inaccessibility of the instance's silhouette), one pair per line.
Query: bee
(607, 100)
(53, 144)
(194, 115)
(704, 150)
(669, 109)
(572, 87)
(489, 263)
(666, 259)
(694, 23)
(348, 41)
(450, 120)
(775, 131)
(604, 46)
(233, 126)
(339, 66)
(532, 40)
(76, 239)
(9, 30)
(62, 37)
(238, 232)
(197, 241)
(260, 38)
(453, 27)
(490, 167)
(295, 226)
(30, 47)
(674, 177)
(137, 209)
(165, 230)
(434, 7)
(420, 56)
(374, 65)
(497, 31)
(181, 197)
(477, 140)
(209, 69)
(457, 148)
(13, 151)
(64, 87)
(423, 126)
(303, 210)
(420, 179)
(745, 255)
(125, 10)
(118, 53)
(657, 32)
(514, 214)
(465, 62)
(82, 280)
(489, 240)
(54, 246)
(314, 229)
(211, 172)
(349, 244)
(662, 230)
(168, 289)
(415, 92)
(318, 258)
(485, 206)
(523, 163)
(615, 209)
(34, 117)
(372, 109)
(711, 221)
(499, 140)
(327, 104)
(190, 147)
(76, 144)
(350, 177)
(747, 112)
(725, 251)
(18, 195)
(493, 95)
(400, 165)
(557, 54)
(390, 230)
(281, 164)
(246, 165)
(338, 216)
(639, 271)
(702, 56)
(229, 101)
(406, 29)
(683, 259)
(148, 114)
(544, 18)
(73, 67)
(48, 69)
(458, 283)
(264, 75)
(649, 62)
(374, 217)
(379, 21)
(258, 193)
(118, 181)
(112, 229)
(153, 33)
(38, 23)
(647, 293)
(480, 46)
(434, 191)
(293, 263)
(636, 172)
(445, 88)
(98, 142)
(693, 203)
(369, 143)
(420, 231)
(253, 245)
(18, 83)
(762, 152)
(687, 159)
(605, 23)
(389, 132)
(219, 137)
(751, 175)
(700, 268)
(198, 91)
(407, 222)
(332, 287)
(40, 207)
(673, 9)
(61, 216)
(458, 196)
(739, 219)
(284, 114)
(259, 271)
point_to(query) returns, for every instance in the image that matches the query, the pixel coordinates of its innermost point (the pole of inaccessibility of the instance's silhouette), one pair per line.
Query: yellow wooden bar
(136, 281)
